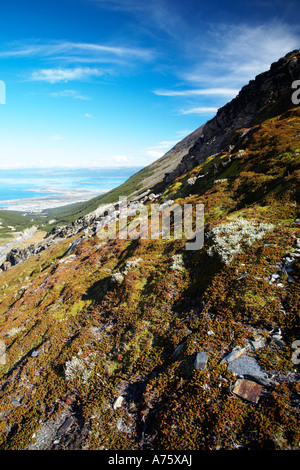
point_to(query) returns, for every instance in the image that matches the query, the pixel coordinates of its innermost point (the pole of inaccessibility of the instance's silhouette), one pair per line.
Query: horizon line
(72, 167)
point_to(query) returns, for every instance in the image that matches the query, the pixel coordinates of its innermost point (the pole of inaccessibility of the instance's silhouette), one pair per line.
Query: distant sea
(37, 189)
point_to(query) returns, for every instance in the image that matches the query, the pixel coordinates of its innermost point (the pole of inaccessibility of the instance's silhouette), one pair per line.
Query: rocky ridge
(269, 92)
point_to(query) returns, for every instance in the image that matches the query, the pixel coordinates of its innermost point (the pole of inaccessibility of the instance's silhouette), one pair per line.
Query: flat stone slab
(201, 360)
(246, 365)
(248, 390)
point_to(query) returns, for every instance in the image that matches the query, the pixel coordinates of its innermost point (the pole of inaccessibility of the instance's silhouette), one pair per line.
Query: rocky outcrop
(86, 227)
(270, 92)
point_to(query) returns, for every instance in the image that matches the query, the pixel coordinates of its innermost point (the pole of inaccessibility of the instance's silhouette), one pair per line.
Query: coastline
(38, 204)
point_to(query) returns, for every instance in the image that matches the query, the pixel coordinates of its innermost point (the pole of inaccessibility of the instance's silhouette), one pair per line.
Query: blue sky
(102, 83)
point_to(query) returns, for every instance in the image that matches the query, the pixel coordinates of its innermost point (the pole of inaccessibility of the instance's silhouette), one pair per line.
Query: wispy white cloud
(76, 60)
(161, 16)
(198, 92)
(216, 55)
(225, 59)
(88, 116)
(235, 54)
(121, 159)
(200, 110)
(157, 151)
(57, 75)
(74, 51)
(70, 94)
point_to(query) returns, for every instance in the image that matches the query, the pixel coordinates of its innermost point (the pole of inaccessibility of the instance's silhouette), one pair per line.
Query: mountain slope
(140, 344)
(267, 95)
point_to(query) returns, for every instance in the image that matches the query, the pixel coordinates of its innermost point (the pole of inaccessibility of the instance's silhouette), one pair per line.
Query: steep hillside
(142, 344)
(269, 94)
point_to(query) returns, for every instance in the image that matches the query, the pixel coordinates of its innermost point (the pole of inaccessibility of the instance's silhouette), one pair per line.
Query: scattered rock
(242, 277)
(118, 402)
(68, 259)
(201, 360)
(276, 333)
(6, 265)
(35, 353)
(235, 353)
(123, 427)
(257, 344)
(274, 278)
(178, 264)
(66, 426)
(247, 366)
(248, 390)
(15, 402)
(191, 181)
(73, 246)
(177, 351)
(117, 278)
(45, 437)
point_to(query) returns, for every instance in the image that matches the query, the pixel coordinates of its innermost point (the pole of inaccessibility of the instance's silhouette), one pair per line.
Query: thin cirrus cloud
(56, 75)
(229, 56)
(235, 54)
(79, 59)
(74, 51)
(69, 94)
(195, 92)
(200, 110)
(226, 59)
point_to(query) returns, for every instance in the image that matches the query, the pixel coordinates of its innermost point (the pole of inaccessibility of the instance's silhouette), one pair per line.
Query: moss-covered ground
(54, 308)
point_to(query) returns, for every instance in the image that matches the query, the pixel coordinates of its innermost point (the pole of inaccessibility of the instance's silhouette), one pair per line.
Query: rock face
(267, 93)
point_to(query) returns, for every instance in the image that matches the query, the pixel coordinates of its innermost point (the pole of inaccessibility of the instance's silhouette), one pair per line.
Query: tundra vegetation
(101, 343)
